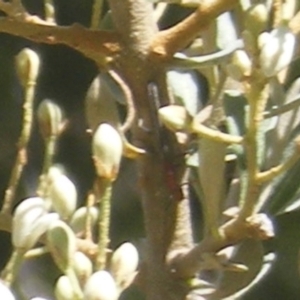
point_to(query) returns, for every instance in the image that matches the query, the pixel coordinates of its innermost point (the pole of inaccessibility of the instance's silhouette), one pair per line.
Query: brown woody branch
(188, 262)
(97, 45)
(169, 41)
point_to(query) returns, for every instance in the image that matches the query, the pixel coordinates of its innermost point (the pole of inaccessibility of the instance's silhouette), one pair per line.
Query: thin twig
(33, 253)
(128, 98)
(88, 221)
(11, 269)
(49, 11)
(187, 264)
(50, 144)
(215, 135)
(169, 41)
(104, 225)
(21, 159)
(276, 111)
(96, 15)
(277, 170)
(257, 97)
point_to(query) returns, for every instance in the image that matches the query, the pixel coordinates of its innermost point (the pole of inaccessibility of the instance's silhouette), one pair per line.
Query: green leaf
(226, 31)
(186, 90)
(235, 106)
(286, 124)
(184, 62)
(281, 192)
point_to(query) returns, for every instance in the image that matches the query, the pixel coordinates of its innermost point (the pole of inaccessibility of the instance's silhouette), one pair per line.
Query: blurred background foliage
(65, 77)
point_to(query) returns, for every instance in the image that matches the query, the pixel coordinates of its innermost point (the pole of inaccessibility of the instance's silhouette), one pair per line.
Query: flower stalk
(27, 63)
(104, 225)
(257, 96)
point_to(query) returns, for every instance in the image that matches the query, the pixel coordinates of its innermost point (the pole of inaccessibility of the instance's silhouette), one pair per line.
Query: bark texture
(159, 177)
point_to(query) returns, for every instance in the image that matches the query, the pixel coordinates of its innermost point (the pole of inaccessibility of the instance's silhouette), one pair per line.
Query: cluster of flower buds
(31, 219)
(102, 284)
(273, 50)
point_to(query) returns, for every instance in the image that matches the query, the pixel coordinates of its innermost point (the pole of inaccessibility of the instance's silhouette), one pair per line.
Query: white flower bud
(61, 242)
(101, 286)
(277, 50)
(83, 267)
(5, 292)
(174, 117)
(78, 219)
(50, 118)
(27, 65)
(63, 195)
(100, 104)
(40, 227)
(63, 289)
(107, 151)
(25, 218)
(242, 60)
(257, 18)
(123, 263)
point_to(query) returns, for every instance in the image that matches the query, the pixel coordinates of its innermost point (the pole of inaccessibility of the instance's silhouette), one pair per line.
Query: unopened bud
(101, 286)
(78, 220)
(5, 292)
(64, 289)
(100, 104)
(107, 151)
(83, 267)
(25, 217)
(256, 18)
(240, 66)
(50, 118)
(50, 13)
(124, 263)
(174, 117)
(63, 195)
(277, 50)
(27, 66)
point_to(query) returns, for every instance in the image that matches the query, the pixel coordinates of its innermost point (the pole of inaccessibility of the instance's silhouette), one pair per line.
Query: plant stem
(33, 253)
(12, 267)
(50, 144)
(96, 15)
(49, 11)
(88, 221)
(215, 135)
(21, 159)
(277, 170)
(104, 224)
(257, 97)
